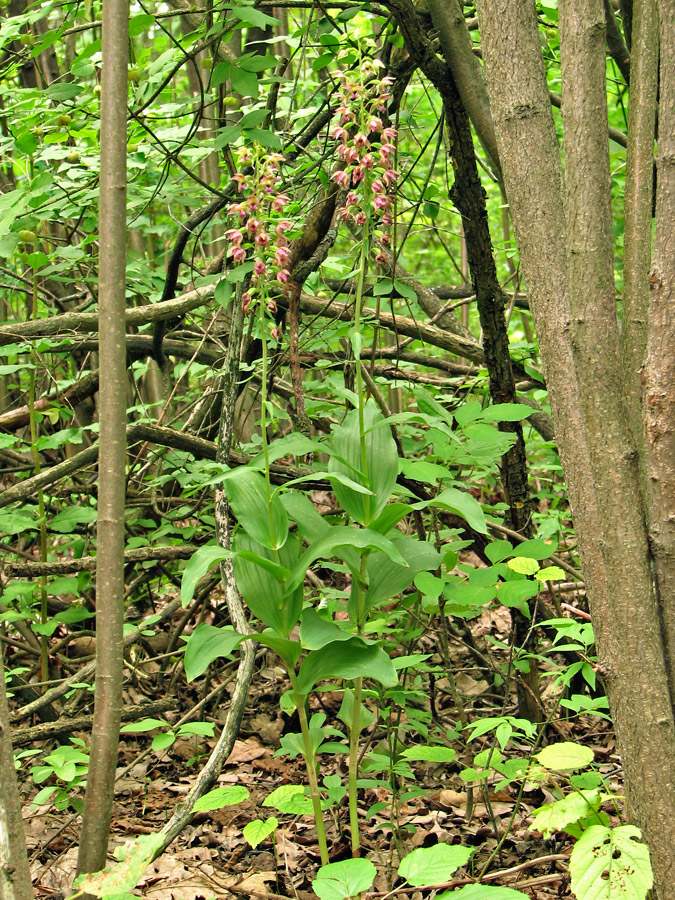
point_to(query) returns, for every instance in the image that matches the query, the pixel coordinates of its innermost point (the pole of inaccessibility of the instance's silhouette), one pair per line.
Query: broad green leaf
(243, 82)
(610, 864)
(517, 593)
(429, 585)
(291, 799)
(197, 566)
(431, 407)
(123, 876)
(523, 565)
(143, 726)
(507, 412)
(227, 135)
(386, 579)
(462, 504)
(268, 598)
(220, 797)
(311, 525)
(535, 549)
(289, 651)
(432, 865)
(253, 16)
(262, 516)
(381, 463)
(346, 659)
(259, 830)
(316, 632)
(340, 880)
(338, 537)
(390, 516)
(65, 521)
(206, 643)
(346, 711)
(293, 444)
(17, 522)
(482, 892)
(498, 550)
(550, 573)
(570, 809)
(565, 756)
(433, 753)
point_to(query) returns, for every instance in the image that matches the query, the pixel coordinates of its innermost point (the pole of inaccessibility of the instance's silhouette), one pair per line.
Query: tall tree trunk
(580, 354)
(659, 371)
(112, 437)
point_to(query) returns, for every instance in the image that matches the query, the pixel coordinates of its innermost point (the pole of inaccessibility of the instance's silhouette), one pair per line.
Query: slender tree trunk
(638, 205)
(659, 371)
(112, 454)
(580, 354)
(15, 882)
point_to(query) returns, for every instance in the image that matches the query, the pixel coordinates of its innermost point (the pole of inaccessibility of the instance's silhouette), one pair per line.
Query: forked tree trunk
(565, 245)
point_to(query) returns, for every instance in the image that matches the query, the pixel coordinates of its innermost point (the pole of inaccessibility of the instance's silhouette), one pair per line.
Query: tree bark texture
(566, 253)
(659, 370)
(638, 206)
(112, 455)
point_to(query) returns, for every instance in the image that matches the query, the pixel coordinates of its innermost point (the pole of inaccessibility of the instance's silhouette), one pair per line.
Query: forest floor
(212, 858)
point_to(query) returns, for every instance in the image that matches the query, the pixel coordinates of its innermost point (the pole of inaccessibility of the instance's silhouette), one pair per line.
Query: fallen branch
(21, 737)
(88, 563)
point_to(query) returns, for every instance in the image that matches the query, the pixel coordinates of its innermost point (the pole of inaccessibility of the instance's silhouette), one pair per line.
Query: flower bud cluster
(367, 150)
(261, 230)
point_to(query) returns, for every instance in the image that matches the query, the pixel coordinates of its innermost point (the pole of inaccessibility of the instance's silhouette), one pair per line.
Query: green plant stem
(311, 776)
(263, 420)
(44, 612)
(355, 730)
(363, 267)
(354, 734)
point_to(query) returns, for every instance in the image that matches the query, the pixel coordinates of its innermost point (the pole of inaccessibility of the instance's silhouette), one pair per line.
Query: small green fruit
(97, 89)
(207, 63)
(64, 119)
(27, 237)
(134, 76)
(38, 131)
(28, 40)
(73, 157)
(231, 103)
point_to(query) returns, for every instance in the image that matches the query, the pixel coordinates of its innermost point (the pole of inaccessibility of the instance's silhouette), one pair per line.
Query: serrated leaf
(610, 864)
(221, 797)
(565, 756)
(432, 865)
(340, 880)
